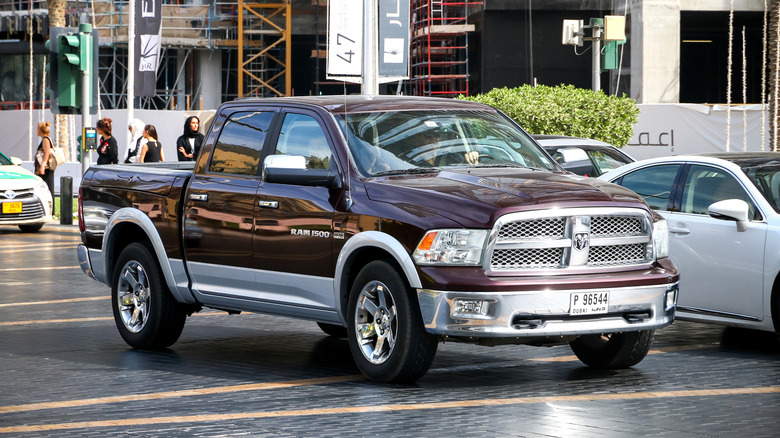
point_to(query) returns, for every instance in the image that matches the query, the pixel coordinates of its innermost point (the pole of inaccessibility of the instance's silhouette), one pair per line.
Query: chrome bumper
(85, 263)
(545, 313)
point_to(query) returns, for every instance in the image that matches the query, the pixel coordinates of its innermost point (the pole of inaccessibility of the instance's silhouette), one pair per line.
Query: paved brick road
(66, 371)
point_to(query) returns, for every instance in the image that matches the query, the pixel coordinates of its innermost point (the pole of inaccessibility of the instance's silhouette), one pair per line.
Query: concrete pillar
(208, 79)
(655, 51)
(180, 86)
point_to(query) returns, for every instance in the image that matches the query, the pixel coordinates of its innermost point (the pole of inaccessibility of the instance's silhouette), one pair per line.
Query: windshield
(424, 141)
(5, 161)
(767, 179)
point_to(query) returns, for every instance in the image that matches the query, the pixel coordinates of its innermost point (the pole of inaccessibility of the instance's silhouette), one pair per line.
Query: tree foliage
(566, 110)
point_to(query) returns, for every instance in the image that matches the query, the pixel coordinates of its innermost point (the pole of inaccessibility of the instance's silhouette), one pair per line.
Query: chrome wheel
(376, 325)
(133, 296)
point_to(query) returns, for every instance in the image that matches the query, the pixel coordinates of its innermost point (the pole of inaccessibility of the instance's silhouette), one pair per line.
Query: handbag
(56, 156)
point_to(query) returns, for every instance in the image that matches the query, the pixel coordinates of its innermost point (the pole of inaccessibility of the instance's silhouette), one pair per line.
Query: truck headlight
(661, 239)
(451, 247)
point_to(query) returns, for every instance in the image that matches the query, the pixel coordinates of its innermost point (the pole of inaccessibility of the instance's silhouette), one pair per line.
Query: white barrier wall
(662, 129)
(678, 129)
(15, 135)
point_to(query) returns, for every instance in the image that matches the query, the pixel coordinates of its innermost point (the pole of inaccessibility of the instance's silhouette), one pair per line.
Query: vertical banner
(393, 40)
(345, 40)
(148, 37)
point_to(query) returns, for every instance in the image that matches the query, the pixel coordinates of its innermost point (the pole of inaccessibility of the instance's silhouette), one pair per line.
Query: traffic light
(74, 58)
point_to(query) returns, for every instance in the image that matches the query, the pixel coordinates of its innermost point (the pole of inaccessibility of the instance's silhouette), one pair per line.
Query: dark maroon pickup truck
(396, 222)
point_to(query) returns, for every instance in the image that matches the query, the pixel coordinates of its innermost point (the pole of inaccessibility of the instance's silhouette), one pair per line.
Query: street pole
(86, 156)
(596, 58)
(370, 46)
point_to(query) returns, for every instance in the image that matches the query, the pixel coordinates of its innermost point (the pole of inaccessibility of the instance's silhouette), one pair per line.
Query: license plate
(588, 303)
(12, 207)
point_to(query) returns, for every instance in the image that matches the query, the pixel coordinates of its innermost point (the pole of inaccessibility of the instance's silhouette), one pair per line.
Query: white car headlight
(451, 247)
(661, 239)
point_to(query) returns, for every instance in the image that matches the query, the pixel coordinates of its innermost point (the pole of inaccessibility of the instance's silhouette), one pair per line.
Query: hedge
(566, 110)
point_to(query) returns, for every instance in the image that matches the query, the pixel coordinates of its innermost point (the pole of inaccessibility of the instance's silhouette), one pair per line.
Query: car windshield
(424, 141)
(5, 161)
(767, 179)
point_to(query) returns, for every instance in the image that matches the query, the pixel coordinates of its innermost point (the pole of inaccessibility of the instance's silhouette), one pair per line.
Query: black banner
(148, 36)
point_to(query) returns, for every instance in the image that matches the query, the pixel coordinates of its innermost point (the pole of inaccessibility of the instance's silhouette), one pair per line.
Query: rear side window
(240, 143)
(653, 184)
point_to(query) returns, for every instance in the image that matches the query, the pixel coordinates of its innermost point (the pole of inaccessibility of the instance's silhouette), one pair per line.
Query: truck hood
(475, 197)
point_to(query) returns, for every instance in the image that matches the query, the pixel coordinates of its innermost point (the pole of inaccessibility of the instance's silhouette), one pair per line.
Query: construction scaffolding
(264, 48)
(440, 54)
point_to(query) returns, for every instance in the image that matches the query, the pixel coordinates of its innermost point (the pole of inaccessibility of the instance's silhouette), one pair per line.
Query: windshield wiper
(412, 170)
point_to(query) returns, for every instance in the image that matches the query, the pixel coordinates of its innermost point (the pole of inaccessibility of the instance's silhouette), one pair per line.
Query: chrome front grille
(570, 239)
(31, 209)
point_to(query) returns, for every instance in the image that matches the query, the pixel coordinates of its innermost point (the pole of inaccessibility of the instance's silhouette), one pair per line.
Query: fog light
(470, 309)
(671, 299)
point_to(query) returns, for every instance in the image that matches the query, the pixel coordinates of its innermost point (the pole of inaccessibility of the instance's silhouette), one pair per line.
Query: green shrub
(566, 110)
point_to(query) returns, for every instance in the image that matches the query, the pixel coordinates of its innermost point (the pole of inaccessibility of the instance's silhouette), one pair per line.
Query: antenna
(349, 150)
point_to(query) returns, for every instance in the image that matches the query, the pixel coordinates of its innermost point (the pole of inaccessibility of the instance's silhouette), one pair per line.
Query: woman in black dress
(151, 152)
(44, 149)
(108, 150)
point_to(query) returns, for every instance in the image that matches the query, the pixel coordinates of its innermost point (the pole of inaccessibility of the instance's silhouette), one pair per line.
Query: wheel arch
(128, 225)
(775, 303)
(362, 249)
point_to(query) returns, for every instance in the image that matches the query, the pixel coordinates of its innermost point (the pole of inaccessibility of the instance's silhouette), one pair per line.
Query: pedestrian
(137, 140)
(108, 150)
(42, 156)
(151, 152)
(189, 143)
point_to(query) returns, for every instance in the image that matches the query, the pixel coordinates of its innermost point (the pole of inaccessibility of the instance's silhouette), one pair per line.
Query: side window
(302, 135)
(706, 185)
(240, 143)
(654, 184)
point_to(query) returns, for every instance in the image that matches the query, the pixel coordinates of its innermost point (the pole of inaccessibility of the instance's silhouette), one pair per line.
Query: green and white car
(25, 199)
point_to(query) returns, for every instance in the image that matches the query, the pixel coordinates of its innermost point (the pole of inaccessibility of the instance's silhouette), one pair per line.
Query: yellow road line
(99, 318)
(572, 358)
(38, 248)
(71, 300)
(40, 268)
(176, 394)
(389, 408)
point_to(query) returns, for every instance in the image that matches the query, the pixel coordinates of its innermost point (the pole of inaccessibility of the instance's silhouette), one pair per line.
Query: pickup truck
(396, 222)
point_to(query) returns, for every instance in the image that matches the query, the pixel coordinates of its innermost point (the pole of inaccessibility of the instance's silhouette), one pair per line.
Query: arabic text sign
(394, 39)
(345, 40)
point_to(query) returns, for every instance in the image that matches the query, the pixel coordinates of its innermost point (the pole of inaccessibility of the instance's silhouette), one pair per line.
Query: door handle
(199, 197)
(268, 204)
(683, 231)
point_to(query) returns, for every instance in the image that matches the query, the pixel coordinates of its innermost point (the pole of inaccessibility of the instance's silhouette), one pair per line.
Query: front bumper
(545, 313)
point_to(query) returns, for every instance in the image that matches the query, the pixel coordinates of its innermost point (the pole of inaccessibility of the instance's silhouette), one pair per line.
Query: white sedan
(723, 214)
(25, 199)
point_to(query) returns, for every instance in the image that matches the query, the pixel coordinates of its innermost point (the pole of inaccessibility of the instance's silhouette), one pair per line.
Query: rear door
(220, 205)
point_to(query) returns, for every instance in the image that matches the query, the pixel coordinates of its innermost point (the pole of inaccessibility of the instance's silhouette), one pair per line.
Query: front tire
(30, 228)
(386, 335)
(146, 314)
(614, 350)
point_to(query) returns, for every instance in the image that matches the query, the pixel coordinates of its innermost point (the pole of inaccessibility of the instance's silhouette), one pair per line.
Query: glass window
(396, 142)
(240, 143)
(302, 135)
(706, 185)
(654, 184)
(766, 178)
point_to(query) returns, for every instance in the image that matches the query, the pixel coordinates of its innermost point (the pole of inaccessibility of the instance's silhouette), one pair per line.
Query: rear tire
(30, 228)
(146, 314)
(385, 330)
(333, 330)
(614, 350)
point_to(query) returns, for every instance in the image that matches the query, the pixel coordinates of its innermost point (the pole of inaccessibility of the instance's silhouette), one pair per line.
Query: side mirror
(731, 210)
(291, 169)
(16, 160)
